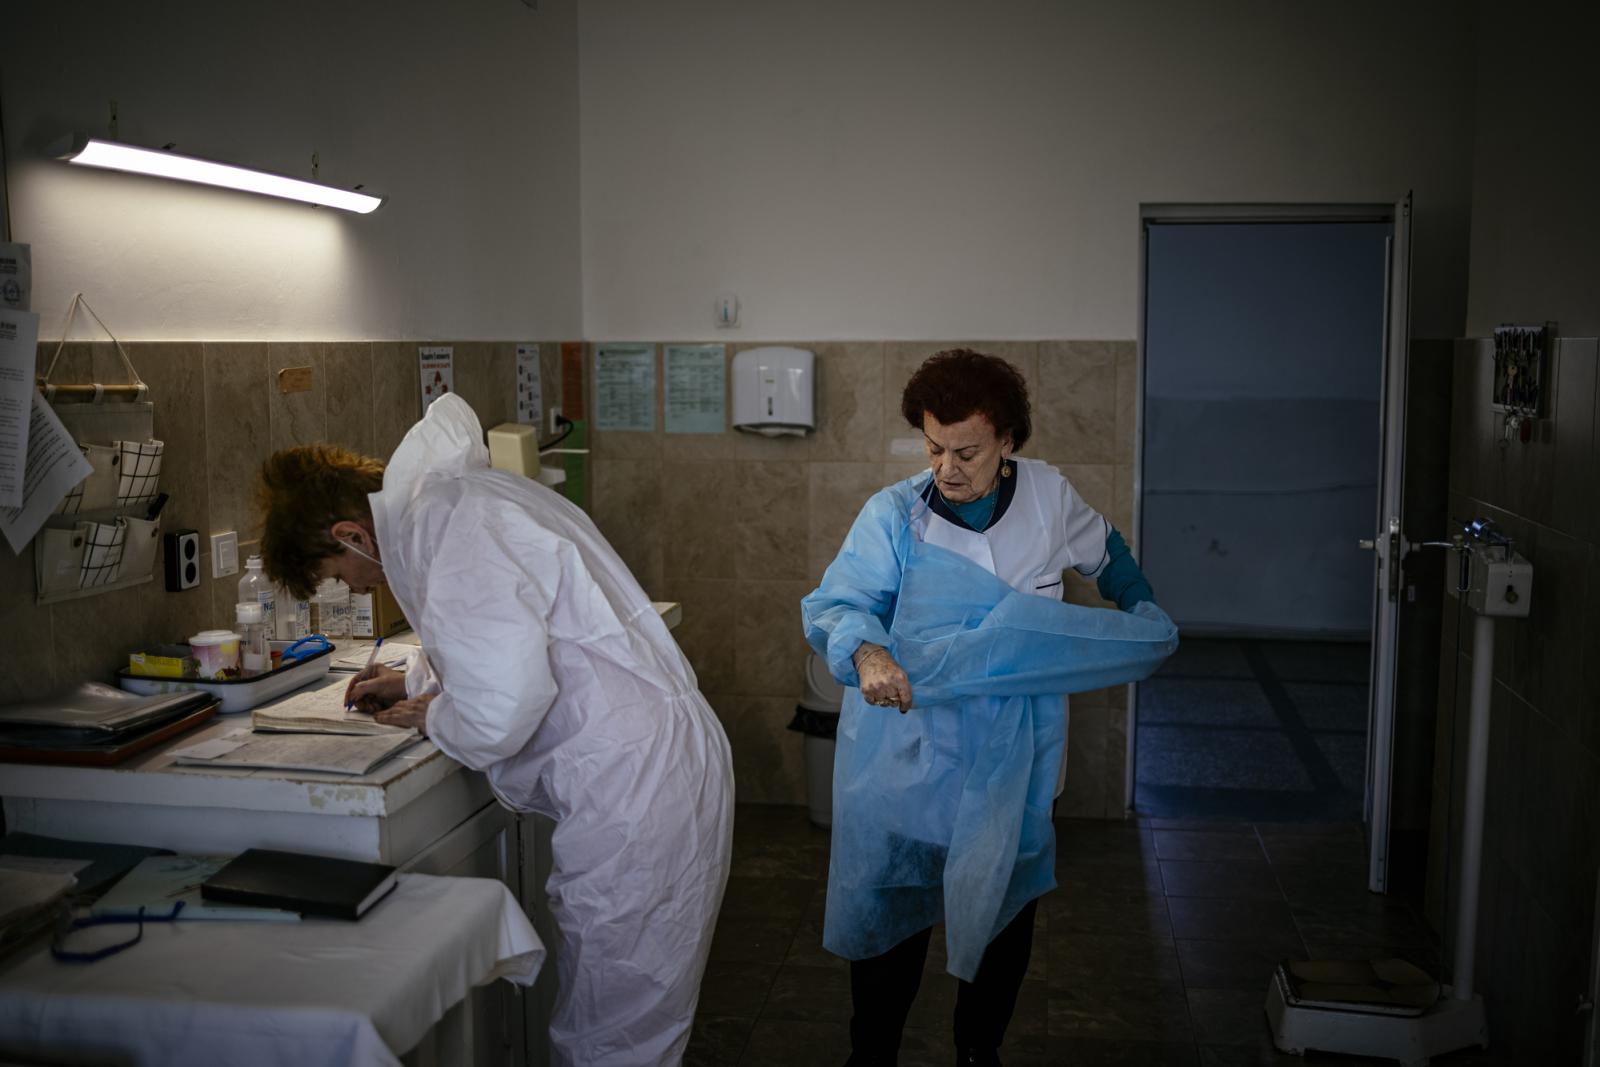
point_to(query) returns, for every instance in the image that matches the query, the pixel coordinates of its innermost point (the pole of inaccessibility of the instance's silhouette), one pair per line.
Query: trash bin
(817, 717)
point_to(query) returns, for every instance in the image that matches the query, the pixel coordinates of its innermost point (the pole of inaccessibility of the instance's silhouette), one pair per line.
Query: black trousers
(882, 989)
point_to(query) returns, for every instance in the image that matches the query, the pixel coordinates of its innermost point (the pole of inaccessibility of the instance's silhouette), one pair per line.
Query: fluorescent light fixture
(96, 152)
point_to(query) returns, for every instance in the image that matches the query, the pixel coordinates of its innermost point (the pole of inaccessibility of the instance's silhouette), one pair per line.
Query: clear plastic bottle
(256, 588)
(332, 608)
(255, 655)
(294, 616)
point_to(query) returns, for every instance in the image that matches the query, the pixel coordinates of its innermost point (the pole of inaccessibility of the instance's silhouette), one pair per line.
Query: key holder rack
(1521, 377)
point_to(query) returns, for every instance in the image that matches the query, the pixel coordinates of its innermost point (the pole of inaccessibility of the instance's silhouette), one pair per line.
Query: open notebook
(318, 710)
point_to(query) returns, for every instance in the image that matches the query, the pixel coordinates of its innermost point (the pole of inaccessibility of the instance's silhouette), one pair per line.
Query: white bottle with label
(255, 655)
(332, 609)
(256, 588)
(361, 615)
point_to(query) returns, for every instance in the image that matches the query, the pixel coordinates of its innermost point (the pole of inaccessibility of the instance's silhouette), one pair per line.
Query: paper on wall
(54, 466)
(696, 388)
(16, 276)
(530, 387)
(438, 373)
(625, 387)
(19, 345)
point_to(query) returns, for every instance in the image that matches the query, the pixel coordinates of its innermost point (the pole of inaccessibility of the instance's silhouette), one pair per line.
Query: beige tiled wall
(739, 528)
(219, 410)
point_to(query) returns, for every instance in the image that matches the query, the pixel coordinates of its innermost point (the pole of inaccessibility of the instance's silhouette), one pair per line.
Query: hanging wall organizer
(106, 533)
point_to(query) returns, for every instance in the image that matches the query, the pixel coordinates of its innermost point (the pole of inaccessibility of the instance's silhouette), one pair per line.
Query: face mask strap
(351, 545)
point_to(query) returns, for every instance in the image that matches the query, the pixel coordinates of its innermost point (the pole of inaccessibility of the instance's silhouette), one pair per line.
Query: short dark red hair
(958, 383)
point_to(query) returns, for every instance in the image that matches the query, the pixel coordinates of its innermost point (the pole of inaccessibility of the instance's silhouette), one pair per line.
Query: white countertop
(152, 777)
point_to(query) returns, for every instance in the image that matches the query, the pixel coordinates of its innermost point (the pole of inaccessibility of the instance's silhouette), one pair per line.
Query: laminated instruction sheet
(625, 387)
(696, 388)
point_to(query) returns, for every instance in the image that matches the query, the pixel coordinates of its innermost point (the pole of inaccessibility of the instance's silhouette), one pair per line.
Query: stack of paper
(332, 753)
(29, 902)
(96, 708)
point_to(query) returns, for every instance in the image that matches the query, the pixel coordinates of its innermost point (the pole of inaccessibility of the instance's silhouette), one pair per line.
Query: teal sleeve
(1121, 581)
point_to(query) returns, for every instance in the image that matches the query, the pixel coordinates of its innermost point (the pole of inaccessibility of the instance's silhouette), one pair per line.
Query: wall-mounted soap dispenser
(774, 391)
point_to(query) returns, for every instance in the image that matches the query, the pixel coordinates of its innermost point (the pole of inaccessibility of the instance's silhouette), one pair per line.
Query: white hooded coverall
(553, 674)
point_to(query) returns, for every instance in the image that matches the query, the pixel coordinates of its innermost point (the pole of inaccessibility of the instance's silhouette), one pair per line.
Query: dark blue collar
(1007, 490)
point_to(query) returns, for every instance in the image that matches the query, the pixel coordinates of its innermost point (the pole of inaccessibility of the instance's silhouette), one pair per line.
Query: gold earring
(1005, 469)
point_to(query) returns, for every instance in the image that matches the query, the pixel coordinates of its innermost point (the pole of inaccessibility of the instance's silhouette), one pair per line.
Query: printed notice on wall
(696, 388)
(625, 387)
(16, 275)
(438, 373)
(19, 343)
(530, 390)
(55, 465)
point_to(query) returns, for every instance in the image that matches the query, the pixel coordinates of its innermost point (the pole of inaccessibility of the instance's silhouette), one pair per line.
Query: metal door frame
(1197, 213)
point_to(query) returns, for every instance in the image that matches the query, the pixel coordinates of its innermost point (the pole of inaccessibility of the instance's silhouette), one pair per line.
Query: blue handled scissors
(305, 648)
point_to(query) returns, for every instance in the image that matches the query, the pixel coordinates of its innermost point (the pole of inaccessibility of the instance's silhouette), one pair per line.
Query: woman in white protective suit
(545, 666)
(942, 615)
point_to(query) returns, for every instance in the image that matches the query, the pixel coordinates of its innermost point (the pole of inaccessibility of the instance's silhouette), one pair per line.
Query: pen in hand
(371, 659)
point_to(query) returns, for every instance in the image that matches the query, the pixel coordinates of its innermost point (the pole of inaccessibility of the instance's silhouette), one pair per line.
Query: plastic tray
(239, 694)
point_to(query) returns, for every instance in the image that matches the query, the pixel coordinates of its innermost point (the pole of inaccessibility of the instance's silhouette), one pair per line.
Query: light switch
(727, 311)
(224, 554)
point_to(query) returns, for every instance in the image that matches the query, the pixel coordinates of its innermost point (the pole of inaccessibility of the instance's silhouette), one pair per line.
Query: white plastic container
(217, 654)
(330, 609)
(824, 696)
(241, 694)
(255, 587)
(254, 656)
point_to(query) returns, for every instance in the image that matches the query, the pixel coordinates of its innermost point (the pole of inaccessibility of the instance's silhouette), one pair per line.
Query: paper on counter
(19, 345)
(42, 864)
(55, 465)
(217, 746)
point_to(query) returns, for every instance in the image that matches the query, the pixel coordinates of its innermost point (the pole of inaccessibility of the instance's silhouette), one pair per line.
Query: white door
(1388, 545)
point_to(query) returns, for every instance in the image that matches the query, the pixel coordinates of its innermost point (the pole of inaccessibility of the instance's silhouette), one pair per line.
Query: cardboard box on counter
(376, 614)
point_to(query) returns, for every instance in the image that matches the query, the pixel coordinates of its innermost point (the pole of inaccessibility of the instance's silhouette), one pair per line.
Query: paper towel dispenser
(774, 391)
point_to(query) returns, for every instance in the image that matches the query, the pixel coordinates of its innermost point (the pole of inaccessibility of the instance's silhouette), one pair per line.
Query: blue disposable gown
(944, 813)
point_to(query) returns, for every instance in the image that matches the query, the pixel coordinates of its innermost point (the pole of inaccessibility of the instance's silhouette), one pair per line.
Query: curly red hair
(958, 383)
(302, 492)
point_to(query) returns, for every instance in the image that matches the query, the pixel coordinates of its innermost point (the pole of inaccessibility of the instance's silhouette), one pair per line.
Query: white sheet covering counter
(318, 993)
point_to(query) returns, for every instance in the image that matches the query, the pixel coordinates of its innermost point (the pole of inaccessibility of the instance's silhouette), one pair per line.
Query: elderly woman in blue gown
(942, 616)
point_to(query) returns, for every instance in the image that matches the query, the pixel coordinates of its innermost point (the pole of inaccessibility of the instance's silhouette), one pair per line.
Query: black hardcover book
(294, 881)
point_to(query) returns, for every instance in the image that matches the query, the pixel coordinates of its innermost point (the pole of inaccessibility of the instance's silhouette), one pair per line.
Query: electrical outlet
(224, 554)
(555, 421)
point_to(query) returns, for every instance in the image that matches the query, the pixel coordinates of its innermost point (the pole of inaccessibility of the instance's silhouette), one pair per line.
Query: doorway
(1262, 372)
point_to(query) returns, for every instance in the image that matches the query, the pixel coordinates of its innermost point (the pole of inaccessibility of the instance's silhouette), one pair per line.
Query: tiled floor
(1255, 731)
(1154, 949)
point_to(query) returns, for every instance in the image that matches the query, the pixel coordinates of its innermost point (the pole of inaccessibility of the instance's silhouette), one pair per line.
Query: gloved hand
(375, 688)
(882, 681)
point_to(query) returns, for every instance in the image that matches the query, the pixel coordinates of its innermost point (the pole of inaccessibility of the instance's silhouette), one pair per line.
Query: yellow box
(162, 663)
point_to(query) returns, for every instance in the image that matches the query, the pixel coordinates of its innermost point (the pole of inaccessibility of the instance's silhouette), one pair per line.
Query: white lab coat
(1041, 527)
(555, 676)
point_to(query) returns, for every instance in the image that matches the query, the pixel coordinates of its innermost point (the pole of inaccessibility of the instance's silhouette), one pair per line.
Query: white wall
(928, 168)
(464, 114)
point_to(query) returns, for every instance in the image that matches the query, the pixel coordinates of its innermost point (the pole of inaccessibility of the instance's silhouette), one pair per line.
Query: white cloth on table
(307, 994)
